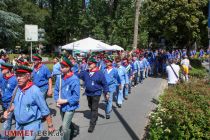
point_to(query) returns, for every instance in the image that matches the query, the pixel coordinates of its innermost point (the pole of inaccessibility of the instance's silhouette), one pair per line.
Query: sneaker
(107, 116)
(91, 128)
(126, 98)
(119, 105)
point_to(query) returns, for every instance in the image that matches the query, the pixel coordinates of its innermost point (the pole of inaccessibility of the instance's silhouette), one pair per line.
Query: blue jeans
(8, 123)
(136, 78)
(120, 95)
(34, 126)
(141, 74)
(109, 102)
(147, 72)
(66, 123)
(127, 89)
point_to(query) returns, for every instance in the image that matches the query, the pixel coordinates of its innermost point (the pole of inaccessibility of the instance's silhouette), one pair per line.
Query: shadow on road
(126, 125)
(86, 114)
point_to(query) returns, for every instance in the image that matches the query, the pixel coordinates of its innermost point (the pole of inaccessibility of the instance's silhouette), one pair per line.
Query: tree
(180, 22)
(8, 25)
(136, 30)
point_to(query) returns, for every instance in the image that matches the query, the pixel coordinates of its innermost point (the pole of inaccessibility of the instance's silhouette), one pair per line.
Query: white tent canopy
(86, 45)
(116, 47)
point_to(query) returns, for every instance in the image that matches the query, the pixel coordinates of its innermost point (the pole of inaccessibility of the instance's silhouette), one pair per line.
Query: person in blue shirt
(151, 63)
(68, 98)
(41, 76)
(124, 82)
(101, 64)
(56, 68)
(29, 105)
(113, 81)
(135, 70)
(84, 65)
(95, 84)
(142, 66)
(75, 67)
(201, 53)
(129, 72)
(2, 60)
(7, 85)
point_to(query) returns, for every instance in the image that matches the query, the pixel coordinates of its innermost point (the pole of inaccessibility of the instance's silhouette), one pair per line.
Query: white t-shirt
(172, 79)
(185, 62)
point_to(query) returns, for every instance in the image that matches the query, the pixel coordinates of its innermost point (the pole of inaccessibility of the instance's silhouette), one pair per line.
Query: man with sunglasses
(95, 84)
(41, 76)
(7, 85)
(29, 105)
(68, 98)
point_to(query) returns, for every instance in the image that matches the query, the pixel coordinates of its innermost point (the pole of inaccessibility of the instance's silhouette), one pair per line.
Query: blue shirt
(129, 70)
(142, 65)
(95, 83)
(84, 67)
(112, 78)
(56, 69)
(70, 90)
(123, 75)
(75, 69)
(30, 105)
(101, 65)
(41, 77)
(135, 65)
(7, 87)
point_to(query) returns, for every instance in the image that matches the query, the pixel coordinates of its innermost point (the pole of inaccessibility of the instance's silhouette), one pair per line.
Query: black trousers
(93, 103)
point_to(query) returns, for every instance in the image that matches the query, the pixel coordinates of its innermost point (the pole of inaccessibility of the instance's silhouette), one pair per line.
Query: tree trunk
(135, 37)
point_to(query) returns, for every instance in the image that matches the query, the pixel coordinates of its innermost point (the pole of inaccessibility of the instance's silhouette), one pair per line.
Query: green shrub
(183, 113)
(196, 63)
(198, 72)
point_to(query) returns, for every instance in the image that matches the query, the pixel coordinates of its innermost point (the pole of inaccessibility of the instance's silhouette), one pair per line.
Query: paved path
(126, 123)
(206, 65)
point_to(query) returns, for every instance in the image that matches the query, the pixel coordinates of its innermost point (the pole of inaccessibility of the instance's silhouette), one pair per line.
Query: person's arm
(49, 93)
(49, 77)
(45, 112)
(74, 94)
(105, 86)
(49, 123)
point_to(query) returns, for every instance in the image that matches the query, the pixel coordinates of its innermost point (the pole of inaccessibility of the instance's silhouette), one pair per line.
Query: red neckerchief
(95, 69)
(68, 75)
(28, 85)
(38, 67)
(7, 77)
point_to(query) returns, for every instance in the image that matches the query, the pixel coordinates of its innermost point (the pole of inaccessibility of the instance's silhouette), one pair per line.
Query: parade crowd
(25, 85)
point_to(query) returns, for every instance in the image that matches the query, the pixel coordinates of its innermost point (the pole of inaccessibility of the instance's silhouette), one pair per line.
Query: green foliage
(198, 72)
(69, 20)
(196, 63)
(183, 113)
(180, 22)
(8, 24)
(197, 69)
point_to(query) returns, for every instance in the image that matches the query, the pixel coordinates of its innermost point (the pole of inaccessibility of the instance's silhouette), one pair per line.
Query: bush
(196, 63)
(183, 113)
(198, 72)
